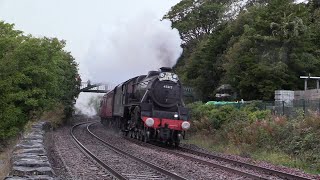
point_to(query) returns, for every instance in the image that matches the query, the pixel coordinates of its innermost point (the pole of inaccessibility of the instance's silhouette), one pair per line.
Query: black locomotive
(148, 107)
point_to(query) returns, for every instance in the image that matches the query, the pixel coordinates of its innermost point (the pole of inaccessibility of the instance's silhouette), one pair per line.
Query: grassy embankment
(249, 132)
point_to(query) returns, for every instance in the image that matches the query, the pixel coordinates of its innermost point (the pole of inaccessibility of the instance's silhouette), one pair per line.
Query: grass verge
(55, 117)
(275, 157)
(5, 155)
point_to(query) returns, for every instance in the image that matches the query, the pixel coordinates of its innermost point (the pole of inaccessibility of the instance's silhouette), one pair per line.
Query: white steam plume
(130, 48)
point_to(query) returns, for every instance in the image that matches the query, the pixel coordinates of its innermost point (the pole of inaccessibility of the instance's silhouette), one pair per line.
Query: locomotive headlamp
(149, 122)
(176, 116)
(185, 125)
(162, 75)
(174, 76)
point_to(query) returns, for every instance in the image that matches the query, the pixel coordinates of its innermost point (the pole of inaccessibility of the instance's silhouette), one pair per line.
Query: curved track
(273, 172)
(91, 155)
(155, 172)
(196, 156)
(210, 164)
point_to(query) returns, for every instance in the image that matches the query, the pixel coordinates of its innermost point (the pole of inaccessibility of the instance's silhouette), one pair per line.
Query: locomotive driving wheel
(136, 122)
(136, 133)
(176, 144)
(131, 134)
(140, 135)
(145, 137)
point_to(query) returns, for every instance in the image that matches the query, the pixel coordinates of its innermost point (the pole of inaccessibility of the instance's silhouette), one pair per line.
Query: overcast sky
(80, 22)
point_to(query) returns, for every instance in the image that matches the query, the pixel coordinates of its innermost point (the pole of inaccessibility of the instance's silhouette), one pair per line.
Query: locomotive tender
(148, 107)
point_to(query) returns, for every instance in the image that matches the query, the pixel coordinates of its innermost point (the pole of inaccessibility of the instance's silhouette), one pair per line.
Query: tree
(274, 34)
(195, 18)
(35, 75)
(265, 48)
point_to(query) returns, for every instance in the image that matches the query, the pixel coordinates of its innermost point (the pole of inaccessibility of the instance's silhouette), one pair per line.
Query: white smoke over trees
(130, 48)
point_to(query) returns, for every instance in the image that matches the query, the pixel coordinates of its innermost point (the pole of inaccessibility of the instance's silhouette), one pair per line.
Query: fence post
(282, 108)
(319, 107)
(304, 107)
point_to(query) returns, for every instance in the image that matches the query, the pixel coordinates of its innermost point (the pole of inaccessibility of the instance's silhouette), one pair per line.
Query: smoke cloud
(129, 48)
(132, 47)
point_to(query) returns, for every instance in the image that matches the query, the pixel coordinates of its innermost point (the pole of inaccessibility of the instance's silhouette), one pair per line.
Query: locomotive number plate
(167, 87)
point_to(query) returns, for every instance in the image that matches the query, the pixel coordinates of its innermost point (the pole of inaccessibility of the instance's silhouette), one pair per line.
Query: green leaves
(266, 47)
(35, 74)
(196, 18)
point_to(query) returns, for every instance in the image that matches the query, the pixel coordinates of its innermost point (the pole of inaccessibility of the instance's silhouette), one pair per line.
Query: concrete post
(318, 84)
(282, 108)
(305, 84)
(304, 107)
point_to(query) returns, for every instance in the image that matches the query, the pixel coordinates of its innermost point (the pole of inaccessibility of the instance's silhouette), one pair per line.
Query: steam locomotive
(148, 107)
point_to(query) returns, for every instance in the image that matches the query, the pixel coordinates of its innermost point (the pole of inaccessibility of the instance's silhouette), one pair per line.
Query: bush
(35, 75)
(211, 117)
(253, 130)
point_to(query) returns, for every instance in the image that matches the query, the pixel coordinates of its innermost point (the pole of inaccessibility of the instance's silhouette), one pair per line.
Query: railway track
(280, 174)
(190, 155)
(88, 153)
(152, 172)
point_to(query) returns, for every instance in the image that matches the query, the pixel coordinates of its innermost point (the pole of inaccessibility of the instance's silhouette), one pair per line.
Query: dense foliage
(36, 74)
(266, 47)
(251, 130)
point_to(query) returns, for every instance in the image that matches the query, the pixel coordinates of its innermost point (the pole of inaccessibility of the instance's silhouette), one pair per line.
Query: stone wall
(29, 159)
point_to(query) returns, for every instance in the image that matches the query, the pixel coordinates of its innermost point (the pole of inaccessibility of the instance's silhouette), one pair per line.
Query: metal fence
(291, 108)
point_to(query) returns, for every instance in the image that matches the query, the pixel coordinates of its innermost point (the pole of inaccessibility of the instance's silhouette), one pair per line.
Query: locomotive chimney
(165, 69)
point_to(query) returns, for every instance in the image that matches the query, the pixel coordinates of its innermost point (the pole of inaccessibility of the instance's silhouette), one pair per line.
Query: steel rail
(247, 165)
(159, 169)
(211, 164)
(90, 154)
(268, 171)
